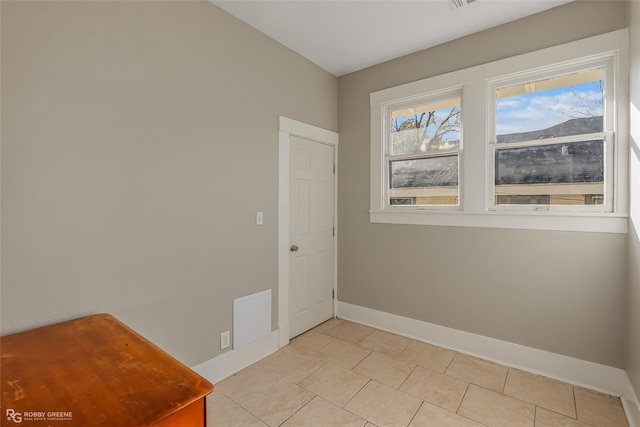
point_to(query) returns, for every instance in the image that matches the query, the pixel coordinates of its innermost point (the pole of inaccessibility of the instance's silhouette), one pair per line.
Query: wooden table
(95, 371)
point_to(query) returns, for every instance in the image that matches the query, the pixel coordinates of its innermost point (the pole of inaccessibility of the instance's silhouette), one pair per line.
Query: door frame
(287, 128)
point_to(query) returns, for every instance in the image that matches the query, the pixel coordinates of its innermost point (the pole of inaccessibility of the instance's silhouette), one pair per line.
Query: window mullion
(473, 170)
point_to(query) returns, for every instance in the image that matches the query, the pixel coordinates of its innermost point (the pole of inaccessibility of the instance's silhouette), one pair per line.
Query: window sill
(593, 223)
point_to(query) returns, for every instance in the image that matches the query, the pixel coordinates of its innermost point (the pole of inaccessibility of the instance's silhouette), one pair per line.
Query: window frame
(428, 98)
(607, 135)
(476, 111)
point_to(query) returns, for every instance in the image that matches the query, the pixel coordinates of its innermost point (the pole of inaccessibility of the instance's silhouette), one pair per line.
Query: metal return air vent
(456, 4)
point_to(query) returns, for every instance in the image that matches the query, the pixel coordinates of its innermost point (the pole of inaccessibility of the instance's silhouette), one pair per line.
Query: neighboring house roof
(577, 126)
(434, 172)
(558, 163)
(576, 162)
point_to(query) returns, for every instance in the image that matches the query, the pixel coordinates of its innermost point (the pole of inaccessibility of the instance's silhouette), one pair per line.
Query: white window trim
(474, 175)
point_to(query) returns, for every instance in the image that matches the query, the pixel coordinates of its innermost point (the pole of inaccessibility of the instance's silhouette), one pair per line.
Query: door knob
(294, 248)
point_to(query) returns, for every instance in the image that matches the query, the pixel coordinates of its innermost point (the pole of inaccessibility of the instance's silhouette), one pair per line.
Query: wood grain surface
(95, 371)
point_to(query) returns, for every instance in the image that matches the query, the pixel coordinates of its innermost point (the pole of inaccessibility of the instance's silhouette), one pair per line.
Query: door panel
(311, 225)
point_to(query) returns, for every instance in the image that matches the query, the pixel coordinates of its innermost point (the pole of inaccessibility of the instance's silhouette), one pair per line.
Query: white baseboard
(631, 404)
(605, 379)
(233, 361)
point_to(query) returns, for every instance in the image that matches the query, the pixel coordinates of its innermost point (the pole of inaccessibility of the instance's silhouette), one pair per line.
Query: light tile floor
(346, 374)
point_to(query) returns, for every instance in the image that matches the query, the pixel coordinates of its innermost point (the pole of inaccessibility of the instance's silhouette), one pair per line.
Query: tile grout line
(455, 353)
(461, 400)
(314, 371)
(504, 383)
(295, 412)
(416, 413)
(575, 402)
(352, 397)
(405, 380)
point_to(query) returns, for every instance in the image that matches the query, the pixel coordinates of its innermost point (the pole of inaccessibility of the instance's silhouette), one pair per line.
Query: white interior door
(311, 234)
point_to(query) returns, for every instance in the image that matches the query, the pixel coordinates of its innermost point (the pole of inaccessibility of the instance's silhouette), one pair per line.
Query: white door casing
(308, 306)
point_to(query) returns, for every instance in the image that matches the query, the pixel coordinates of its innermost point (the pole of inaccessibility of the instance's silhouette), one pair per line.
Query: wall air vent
(456, 4)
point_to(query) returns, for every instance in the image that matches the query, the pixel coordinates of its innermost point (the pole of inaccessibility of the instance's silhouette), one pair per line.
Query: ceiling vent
(457, 4)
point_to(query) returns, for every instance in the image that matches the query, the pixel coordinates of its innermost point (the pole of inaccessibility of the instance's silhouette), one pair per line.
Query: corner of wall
(632, 344)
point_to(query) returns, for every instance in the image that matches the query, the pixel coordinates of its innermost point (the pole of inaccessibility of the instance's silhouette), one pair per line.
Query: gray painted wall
(564, 292)
(138, 141)
(633, 322)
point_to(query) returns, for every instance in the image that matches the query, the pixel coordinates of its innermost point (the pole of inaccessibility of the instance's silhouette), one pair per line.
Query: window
(551, 137)
(423, 150)
(536, 141)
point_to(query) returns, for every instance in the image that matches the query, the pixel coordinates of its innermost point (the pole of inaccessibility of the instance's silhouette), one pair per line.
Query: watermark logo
(14, 416)
(18, 417)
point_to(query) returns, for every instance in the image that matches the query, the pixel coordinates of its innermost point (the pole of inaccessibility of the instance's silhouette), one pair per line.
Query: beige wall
(633, 322)
(558, 291)
(123, 124)
(127, 129)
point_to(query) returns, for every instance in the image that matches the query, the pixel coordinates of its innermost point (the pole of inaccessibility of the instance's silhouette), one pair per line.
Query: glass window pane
(555, 174)
(571, 104)
(427, 128)
(427, 182)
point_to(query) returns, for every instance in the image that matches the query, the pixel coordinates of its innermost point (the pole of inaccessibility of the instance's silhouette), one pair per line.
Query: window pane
(427, 128)
(566, 105)
(427, 182)
(555, 174)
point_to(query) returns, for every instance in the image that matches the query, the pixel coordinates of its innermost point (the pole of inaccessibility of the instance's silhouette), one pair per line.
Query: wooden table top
(91, 371)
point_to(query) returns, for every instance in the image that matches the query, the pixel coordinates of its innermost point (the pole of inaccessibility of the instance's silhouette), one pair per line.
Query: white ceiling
(343, 36)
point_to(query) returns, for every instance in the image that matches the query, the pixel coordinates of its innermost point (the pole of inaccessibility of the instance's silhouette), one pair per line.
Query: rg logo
(14, 416)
